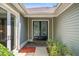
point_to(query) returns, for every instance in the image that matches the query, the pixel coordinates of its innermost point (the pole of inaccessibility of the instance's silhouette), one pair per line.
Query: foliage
(57, 48)
(3, 43)
(66, 51)
(4, 51)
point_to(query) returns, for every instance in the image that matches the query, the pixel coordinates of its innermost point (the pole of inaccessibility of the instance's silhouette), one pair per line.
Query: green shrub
(66, 51)
(54, 51)
(49, 43)
(4, 51)
(3, 43)
(56, 48)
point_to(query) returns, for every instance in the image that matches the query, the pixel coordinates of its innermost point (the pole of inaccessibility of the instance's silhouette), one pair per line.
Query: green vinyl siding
(66, 27)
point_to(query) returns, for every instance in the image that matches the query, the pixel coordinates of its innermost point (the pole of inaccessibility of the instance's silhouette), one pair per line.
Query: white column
(17, 35)
(9, 31)
(18, 32)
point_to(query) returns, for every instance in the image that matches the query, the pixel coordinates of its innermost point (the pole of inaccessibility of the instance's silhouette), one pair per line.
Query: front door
(40, 30)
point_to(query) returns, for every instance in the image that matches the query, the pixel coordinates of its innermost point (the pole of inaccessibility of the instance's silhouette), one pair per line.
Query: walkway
(40, 51)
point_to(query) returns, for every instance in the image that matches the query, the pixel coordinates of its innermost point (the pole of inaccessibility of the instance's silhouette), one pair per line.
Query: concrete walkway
(40, 51)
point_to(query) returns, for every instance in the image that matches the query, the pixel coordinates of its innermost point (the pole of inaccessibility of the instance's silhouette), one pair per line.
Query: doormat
(28, 50)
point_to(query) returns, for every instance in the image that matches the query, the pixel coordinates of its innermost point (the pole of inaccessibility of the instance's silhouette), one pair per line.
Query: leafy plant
(66, 51)
(54, 51)
(57, 48)
(4, 51)
(49, 43)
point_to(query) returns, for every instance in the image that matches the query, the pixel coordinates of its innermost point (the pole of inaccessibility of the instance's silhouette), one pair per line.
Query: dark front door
(40, 30)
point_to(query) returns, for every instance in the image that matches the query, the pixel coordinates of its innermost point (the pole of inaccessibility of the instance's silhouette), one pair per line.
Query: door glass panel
(12, 31)
(44, 28)
(3, 26)
(36, 28)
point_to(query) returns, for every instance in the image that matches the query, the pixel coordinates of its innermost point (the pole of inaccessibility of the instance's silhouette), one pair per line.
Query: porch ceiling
(42, 11)
(40, 8)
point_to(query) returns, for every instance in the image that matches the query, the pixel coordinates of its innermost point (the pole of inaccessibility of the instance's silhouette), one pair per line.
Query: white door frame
(40, 20)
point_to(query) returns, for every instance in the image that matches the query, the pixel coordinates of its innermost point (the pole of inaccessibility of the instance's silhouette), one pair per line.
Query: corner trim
(52, 29)
(28, 28)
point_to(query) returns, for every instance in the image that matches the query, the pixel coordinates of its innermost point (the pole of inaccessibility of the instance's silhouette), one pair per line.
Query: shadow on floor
(36, 44)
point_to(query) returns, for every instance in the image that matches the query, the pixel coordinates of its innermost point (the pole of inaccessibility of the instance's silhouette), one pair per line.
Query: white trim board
(52, 29)
(9, 9)
(40, 20)
(9, 31)
(28, 28)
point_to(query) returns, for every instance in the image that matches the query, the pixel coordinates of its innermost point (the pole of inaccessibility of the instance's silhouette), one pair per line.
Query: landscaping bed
(4, 51)
(57, 48)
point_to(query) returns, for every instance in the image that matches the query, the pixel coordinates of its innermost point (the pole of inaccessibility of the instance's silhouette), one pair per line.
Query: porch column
(9, 31)
(17, 36)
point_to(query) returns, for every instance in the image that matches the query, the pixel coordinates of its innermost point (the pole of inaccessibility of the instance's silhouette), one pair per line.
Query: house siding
(66, 28)
(23, 30)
